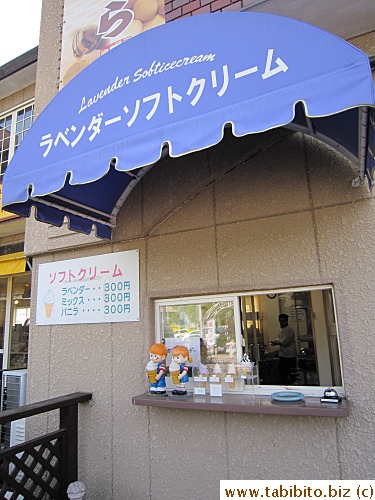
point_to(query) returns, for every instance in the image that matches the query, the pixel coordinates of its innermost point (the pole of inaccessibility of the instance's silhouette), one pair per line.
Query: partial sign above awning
(176, 87)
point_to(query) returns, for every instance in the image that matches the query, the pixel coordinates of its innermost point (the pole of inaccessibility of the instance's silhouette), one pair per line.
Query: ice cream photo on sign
(49, 300)
(91, 28)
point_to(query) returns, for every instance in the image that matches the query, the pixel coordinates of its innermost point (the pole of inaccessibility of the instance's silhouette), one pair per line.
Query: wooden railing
(43, 467)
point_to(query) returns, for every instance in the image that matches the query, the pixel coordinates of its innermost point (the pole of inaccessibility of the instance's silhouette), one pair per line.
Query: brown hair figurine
(156, 368)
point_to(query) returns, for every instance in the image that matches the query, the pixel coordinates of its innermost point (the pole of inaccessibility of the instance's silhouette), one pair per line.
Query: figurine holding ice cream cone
(156, 368)
(179, 369)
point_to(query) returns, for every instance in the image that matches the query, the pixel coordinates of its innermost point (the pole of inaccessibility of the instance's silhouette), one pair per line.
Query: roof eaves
(19, 63)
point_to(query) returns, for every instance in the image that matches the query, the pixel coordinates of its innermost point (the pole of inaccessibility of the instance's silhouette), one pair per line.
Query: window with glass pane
(20, 320)
(220, 332)
(311, 317)
(5, 133)
(23, 124)
(13, 127)
(206, 327)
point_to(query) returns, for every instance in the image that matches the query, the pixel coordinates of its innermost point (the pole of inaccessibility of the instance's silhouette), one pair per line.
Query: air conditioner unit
(13, 395)
(17, 432)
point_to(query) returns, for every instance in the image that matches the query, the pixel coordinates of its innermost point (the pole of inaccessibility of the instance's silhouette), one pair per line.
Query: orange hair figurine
(179, 369)
(156, 368)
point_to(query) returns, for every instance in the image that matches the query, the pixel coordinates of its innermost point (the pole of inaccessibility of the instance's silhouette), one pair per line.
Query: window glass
(19, 127)
(5, 155)
(211, 323)
(20, 318)
(289, 337)
(24, 121)
(27, 125)
(29, 112)
(8, 123)
(312, 351)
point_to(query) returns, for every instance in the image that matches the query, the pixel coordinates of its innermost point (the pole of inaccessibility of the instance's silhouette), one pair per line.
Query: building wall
(17, 98)
(183, 8)
(265, 211)
(273, 210)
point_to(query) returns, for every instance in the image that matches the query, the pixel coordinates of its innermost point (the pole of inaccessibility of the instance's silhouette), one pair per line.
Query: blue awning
(174, 89)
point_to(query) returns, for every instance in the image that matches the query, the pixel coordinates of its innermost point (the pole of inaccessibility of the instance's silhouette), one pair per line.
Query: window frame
(12, 139)
(256, 389)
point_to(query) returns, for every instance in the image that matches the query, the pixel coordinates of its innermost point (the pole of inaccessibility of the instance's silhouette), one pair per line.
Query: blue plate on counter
(287, 396)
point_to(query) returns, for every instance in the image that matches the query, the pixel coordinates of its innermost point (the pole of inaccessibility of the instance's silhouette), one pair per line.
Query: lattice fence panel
(33, 470)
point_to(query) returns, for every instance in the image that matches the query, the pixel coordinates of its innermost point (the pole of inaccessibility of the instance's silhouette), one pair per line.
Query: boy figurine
(180, 358)
(156, 368)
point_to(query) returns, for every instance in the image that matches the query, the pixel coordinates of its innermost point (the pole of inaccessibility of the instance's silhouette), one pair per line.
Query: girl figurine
(156, 368)
(179, 369)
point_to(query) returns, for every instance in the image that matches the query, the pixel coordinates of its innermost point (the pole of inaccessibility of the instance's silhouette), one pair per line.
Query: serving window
(233, 340)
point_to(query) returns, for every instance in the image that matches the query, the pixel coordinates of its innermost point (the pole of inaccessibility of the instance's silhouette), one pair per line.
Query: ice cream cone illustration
(49, 300)
(152, 370)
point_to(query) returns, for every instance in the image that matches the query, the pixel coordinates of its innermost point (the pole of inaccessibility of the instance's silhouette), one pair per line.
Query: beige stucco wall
(272, 210)
(17, 98)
